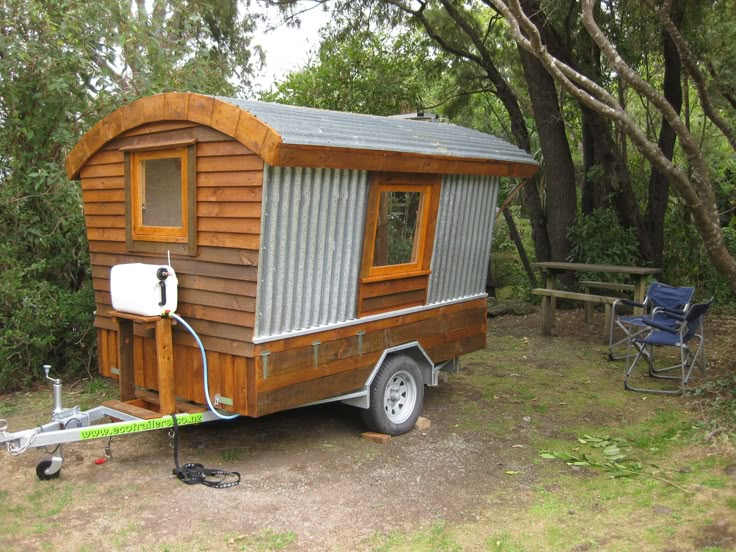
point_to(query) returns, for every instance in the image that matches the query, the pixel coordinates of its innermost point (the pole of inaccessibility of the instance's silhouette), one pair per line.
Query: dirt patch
(308, 474)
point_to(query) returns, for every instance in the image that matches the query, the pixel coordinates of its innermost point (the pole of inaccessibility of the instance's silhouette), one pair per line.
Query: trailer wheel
(41, 468)
(396, 397)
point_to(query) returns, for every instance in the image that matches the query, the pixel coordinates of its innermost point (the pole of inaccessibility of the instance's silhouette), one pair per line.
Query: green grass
(266, 541)
(232, 454)
(125, 536)
(527, 392)
(435, 538)
(587, 508)
(503, 542)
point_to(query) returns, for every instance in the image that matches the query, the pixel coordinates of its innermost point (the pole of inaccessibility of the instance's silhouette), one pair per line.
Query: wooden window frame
(160, 239)
(429, 187)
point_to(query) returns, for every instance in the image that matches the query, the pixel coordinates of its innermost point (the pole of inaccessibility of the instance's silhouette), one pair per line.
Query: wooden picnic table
(550, 292)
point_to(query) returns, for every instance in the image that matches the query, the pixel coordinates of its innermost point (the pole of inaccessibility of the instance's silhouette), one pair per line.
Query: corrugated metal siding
(463, 237)
(336, 129)
(311, 241)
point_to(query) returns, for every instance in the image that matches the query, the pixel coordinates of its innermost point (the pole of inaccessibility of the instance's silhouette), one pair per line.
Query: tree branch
(691, 66)
(573, 81)
(688, 143)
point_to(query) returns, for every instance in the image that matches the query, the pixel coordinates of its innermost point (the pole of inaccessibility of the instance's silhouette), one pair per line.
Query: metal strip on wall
(463, 237)
(311, 243)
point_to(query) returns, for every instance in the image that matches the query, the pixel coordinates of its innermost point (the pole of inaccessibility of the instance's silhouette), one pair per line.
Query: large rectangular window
(160, 199)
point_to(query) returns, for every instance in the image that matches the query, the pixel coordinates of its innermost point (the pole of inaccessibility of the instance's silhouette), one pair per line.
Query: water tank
(143, 289)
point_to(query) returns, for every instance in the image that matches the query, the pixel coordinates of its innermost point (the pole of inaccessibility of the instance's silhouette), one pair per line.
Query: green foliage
(506, 267)
(685, 259)
(363, 72)
(607, 454)
(64, 65)
(609, 457)
(43, 322)
(599, 238)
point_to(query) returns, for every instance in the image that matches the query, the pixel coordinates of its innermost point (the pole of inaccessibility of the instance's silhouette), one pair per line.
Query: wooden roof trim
(174, 106)
(294, 155)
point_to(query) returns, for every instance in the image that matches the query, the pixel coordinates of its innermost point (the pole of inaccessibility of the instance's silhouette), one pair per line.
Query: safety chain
(15, 451)
(193, 474)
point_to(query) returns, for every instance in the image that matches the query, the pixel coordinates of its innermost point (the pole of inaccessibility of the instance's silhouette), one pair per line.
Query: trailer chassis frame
(71, 425)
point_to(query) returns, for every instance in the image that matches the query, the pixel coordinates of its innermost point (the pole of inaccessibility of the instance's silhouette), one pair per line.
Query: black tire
(41, 468)
(396, 397)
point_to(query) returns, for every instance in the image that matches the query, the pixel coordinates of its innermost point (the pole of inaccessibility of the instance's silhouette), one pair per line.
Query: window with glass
(396, 228)
(161, 197)
(400, 218)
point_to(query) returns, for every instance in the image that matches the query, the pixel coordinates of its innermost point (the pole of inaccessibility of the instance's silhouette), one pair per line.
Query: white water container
(147, 290)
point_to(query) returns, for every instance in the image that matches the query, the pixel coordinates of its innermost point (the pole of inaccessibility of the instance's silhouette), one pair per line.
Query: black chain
(194, 474)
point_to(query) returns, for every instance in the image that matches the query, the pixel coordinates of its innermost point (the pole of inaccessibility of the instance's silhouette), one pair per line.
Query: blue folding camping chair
(659, 303)
(687, 336)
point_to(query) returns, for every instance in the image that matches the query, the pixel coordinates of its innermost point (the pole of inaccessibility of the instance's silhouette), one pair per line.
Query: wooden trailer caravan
(315, 251)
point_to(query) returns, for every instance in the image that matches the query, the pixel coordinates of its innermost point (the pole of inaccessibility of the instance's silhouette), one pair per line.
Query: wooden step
(132, 409)
(181, 406)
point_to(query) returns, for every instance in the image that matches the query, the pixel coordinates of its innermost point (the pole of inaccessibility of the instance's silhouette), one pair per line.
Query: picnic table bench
(550, 292)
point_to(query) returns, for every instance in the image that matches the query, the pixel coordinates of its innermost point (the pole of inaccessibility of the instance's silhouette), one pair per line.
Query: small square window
(399, 226)
(160, 200)
(161, 192)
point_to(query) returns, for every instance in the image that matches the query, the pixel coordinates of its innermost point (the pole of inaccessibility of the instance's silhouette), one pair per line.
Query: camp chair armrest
(672, 313)
(662, 325)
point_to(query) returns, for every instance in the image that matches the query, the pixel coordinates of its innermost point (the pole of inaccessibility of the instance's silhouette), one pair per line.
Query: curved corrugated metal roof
(335, 129)
(290, 136)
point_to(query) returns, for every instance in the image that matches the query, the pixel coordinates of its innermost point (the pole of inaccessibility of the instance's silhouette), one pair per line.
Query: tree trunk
(696, 187)
(530, 192)
(659, 186)
(616, 175)
(559, 171)
(595, 189)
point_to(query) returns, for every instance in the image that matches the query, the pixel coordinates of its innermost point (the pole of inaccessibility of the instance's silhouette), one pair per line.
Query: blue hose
(187, 327)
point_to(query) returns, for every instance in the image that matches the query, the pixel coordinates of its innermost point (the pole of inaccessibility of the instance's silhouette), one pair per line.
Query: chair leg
(630, 367)
(643, 351)
(630, 332)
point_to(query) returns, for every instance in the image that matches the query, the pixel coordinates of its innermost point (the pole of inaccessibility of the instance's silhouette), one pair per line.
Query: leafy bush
(43, 323)
(686, 262)
(506, 266)
(46, 296)
(599, 238)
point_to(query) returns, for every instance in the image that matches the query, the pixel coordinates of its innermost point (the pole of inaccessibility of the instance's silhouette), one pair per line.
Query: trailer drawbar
(69, 425)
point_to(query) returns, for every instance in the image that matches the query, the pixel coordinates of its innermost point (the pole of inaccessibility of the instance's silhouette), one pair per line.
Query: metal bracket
(57, 460)
(315, 346)
(114, 370)
(360, 335)
(219, 399)
(264, 363)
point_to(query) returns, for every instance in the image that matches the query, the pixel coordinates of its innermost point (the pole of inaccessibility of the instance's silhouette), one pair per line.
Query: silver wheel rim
(399, 397)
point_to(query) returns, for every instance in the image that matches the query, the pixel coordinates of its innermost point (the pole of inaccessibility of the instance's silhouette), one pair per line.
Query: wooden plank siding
(387, 295)
(217, 287)
(292, 379)
(227, 373)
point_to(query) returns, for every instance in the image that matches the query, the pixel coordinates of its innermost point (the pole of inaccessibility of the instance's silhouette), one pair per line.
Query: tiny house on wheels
(316, 255)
